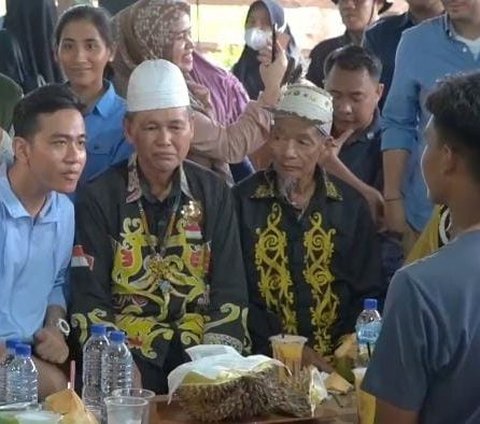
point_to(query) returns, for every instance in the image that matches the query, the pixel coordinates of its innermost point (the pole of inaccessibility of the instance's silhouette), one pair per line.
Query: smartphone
(274, 42)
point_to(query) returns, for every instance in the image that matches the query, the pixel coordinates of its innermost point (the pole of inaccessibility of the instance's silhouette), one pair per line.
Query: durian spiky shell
(251, 395)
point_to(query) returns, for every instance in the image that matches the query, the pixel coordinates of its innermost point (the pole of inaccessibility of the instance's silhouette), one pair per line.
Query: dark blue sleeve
(402, 363)
(241, 170)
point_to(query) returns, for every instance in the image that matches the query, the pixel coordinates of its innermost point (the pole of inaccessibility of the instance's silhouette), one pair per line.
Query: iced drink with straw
(288, 349)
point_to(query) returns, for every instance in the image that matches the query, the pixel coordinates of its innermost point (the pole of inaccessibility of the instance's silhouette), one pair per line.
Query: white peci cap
(156, 84)
(309, 102)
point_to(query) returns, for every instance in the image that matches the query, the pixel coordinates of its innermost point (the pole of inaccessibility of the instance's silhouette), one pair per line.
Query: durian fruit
(336, 383)
(296, 399)
(240, 397)
(345, 356)
(301, 395)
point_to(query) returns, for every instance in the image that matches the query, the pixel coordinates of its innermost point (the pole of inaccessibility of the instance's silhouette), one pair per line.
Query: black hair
(98, 17)
(44, 100)
(353, 58)
(455, 106)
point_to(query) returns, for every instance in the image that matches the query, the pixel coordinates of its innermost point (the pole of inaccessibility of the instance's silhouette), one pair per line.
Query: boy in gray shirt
(426, 365)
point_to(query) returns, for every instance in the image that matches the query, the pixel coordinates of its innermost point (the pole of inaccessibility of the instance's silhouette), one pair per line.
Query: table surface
(329, 413)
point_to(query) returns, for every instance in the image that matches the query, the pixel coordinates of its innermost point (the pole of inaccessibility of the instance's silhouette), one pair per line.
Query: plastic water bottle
(368, 327)
(22, 377)
(117, 364)
(10, 347)
(92, 368)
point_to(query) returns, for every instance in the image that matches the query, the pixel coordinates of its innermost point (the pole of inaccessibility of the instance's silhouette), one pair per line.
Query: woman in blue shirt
(85, 49)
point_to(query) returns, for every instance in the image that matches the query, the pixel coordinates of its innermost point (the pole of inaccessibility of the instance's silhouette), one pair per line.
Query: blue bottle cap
(23, 350)
(98, 330)
(370, 304)
(117, 336)
(10, 344)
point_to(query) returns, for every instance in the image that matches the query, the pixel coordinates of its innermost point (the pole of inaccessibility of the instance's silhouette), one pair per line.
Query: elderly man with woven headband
(158, 251)
(308, 242)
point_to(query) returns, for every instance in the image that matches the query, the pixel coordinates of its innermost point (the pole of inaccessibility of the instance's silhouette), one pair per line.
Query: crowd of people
(145, 188)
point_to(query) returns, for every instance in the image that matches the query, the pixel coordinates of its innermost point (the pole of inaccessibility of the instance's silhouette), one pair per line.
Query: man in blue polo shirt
(445, 45)
(37, 226)
(383, 37)
(425, 365)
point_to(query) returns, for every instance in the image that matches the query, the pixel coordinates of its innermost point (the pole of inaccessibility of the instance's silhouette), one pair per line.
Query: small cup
(125, 409)
(148, 395)
(365, 401)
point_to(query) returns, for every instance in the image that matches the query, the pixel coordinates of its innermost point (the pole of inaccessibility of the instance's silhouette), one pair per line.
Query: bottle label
(368, 333)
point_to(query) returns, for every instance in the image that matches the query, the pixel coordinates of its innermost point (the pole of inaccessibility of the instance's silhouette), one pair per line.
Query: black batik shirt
(197, 294)
(306, 274)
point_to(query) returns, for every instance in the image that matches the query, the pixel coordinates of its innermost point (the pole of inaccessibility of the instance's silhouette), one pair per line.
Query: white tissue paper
(214, 361)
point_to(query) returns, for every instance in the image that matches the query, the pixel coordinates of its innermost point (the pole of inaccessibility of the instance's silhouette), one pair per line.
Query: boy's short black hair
(455, 106)
(353, 58)
(47, 99)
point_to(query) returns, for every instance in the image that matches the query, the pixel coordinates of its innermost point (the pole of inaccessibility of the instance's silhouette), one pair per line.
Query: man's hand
(395, 219)
(272, 73)
(310, 357)
(50, 345)
(376, 203)
(332, 148)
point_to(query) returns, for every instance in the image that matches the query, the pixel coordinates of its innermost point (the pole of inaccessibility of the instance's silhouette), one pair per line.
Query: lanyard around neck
(150, 239)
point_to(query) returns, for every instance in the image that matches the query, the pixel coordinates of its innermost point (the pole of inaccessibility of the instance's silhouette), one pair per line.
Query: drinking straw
(369, 350)
(71, 383)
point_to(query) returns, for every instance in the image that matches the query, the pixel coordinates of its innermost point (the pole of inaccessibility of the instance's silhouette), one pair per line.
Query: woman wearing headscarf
(229, 100)
(32, 24)
(161, 29)
(264, 18)
(10, 94)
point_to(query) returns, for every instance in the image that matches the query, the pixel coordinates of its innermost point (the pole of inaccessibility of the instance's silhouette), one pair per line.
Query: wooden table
(329, 413)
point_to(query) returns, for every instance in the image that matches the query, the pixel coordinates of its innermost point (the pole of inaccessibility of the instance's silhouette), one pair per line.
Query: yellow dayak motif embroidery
(272, 264)
(97, 316)
(142, 333)
(319, 249)
(264, 190)
(163, 286)
(276, 285)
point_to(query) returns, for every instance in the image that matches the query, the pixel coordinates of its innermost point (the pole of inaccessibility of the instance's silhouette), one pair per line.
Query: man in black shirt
(158, 252)
(352, 78)
(309, 243)
(356, 15)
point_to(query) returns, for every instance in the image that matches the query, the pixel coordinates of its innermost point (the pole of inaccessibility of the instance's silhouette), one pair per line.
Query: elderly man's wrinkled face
(181, 50)
(161, 137)
(296, 146)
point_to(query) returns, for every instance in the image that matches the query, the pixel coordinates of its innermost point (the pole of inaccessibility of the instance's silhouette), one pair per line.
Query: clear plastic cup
(125, 409)
(139, 393)
(288, 349)
(365, 401)
(38, 417)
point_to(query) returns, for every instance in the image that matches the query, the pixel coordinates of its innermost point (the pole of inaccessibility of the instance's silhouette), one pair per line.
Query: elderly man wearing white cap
(309, 245)
(158, 252)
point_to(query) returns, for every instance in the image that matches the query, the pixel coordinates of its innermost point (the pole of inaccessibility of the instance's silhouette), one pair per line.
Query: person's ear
(449, 159)
(21, 149)
(113, 51)
(379, 90)
(128, 127)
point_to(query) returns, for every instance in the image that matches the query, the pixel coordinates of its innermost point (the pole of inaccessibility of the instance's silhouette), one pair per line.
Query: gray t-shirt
(427, 358)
